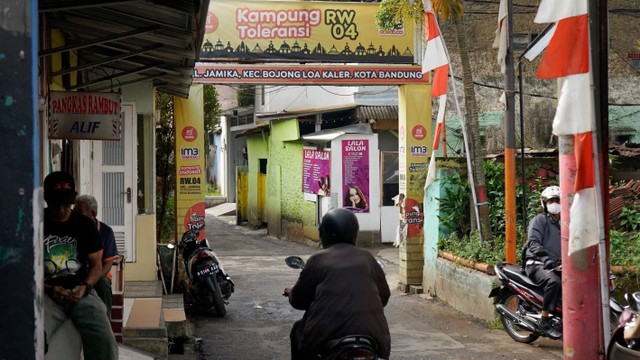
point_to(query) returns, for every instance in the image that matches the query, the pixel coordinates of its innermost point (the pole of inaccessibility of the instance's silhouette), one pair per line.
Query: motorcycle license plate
(207, 270)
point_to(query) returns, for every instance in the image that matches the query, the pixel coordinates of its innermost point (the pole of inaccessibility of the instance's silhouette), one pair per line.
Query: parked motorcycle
(351, 347)
(619, 348)
(518, 300)
(209, 287)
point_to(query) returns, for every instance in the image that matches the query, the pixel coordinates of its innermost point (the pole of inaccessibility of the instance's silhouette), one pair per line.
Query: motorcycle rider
(342, 289)
(543, 254)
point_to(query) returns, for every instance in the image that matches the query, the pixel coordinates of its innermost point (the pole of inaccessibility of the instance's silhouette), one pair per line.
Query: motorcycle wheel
(514, 303)
(216, 295)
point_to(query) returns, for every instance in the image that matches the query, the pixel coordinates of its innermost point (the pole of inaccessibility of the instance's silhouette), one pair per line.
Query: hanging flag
(567, 59)
(435, 59)
(500, 42)
(435, 54)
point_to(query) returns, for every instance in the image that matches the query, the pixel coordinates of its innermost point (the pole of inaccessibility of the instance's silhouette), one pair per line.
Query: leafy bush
(464, 242)
(624, 248)
(629, 219)
(455, 214)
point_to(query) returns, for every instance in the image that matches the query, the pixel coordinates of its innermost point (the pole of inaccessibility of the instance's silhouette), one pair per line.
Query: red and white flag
(567, 59)
(500, 42)
(435, 59)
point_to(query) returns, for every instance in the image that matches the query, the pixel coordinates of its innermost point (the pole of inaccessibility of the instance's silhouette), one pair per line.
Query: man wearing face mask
(72, 252)
(543, 254)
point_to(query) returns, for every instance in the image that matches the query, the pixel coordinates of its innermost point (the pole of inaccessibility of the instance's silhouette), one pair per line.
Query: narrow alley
(259, 318)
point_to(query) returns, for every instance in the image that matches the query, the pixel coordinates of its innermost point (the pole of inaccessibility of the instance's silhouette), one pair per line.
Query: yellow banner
(415, 137)
(190, 168)
(303, 31)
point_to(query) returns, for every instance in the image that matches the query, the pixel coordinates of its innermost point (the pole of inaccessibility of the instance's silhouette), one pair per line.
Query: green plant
(629, 219)
(212, 190)
(455, 213)
(495, 324)
(624, 248)
(454, 205)
(166, 229)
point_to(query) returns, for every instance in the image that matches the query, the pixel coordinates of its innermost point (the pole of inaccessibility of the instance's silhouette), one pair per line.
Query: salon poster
(355, 175)
(316, 171)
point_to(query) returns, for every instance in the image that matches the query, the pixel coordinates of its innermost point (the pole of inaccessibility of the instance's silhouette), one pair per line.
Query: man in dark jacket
(543, 255)
(342, 289)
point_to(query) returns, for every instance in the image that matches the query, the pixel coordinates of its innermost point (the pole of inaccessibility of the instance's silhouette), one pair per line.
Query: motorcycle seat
(514, 272)
(352, 341)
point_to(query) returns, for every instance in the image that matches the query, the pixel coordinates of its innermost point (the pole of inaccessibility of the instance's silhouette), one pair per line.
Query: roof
(121, 42)
(383, 112)
(324, 136)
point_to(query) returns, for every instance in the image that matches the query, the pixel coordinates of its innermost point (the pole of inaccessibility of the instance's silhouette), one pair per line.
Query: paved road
(259, 318)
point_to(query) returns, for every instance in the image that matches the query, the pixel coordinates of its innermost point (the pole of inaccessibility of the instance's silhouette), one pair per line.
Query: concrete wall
(284, 181)
(465, 289)
(433, 231)
(144, 269)
(292, 98)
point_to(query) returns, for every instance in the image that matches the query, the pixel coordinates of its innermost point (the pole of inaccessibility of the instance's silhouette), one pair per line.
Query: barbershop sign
(85, 115)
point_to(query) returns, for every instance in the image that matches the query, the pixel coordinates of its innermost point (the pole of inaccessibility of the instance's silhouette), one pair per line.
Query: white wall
(368, 221)
(294, 98)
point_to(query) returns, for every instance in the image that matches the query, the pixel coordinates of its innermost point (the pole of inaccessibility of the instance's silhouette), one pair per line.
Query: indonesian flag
(567, 59)
(435, 59)
(500, 42)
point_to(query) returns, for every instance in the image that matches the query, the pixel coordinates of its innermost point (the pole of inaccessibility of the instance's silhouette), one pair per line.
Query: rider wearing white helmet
(543, 254)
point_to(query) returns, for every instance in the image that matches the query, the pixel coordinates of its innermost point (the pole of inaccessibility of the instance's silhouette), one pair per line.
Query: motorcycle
(209, 287)
(518, 300)
(350, 347)
(619, 348)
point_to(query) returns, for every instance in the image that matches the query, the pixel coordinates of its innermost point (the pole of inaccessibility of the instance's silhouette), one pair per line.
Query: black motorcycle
(351, 347)
(619, 348)
(209, 287)
(518, 300)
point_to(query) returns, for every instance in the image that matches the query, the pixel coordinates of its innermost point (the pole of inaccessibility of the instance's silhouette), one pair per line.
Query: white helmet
(551, 192)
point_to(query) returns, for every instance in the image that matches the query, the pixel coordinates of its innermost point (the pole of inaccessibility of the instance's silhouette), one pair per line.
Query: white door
(114, 180)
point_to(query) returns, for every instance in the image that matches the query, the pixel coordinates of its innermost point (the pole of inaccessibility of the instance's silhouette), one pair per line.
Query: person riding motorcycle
(342, 289)
(543, 254)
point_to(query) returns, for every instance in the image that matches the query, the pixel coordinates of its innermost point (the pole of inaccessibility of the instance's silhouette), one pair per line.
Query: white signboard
(85, 115)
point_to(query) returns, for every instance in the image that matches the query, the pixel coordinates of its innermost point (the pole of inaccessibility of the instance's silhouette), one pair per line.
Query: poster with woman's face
(355, 175)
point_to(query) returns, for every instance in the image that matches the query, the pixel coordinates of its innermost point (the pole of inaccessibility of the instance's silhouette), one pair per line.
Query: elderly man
(88, 206)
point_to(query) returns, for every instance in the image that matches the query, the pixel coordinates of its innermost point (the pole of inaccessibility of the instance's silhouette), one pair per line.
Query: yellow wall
(144, 269)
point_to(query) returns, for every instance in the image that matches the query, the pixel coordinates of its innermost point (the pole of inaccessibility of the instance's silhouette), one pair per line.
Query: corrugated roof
(123, 42)
(382, 112)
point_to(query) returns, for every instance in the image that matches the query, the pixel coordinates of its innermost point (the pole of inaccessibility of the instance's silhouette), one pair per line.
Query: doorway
(115, 180)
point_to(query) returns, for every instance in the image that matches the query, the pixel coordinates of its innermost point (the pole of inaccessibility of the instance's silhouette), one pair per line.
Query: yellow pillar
(190, 168)
(415, 139)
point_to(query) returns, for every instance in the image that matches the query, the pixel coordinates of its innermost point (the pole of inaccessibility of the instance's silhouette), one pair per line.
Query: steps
(151, 320)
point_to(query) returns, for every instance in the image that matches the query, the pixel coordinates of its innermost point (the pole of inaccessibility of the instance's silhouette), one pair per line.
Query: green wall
(285, 154)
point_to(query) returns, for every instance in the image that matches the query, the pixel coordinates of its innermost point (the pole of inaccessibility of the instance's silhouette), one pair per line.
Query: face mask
(61, 197)
(553, 208)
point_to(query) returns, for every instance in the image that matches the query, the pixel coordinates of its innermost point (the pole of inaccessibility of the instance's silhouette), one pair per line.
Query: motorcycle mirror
(294, 262)
(633, 300)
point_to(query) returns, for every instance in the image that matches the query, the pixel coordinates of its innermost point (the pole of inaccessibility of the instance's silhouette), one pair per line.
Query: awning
(324, 136)
(120, 42)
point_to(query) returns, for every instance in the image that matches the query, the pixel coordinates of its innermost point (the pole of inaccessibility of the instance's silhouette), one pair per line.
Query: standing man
(543, 255)
(72, 253)
(88, 206)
